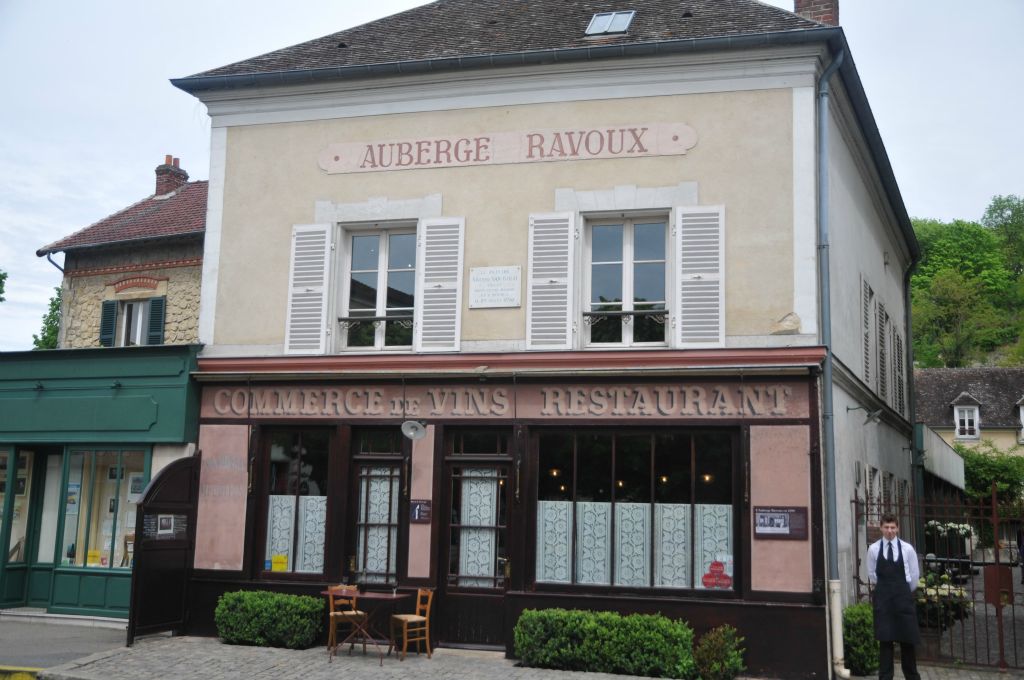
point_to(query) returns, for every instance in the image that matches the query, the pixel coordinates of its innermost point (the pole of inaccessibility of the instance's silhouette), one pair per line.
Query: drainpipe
(828, 424)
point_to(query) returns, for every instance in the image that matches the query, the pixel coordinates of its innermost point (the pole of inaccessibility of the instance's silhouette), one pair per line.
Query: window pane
(672, 532)
(365, 253)
(649, 241)
(606, 283)
(401, 289)
(599, 23)
(633, 510)
(384, 442)
(402, 251)
(633, 469)
(554, 508)
(649, 328)
(478, 511)
(649, 282)
(101, 508)
(594, 468)
(74, 518)
(363, 291)
(620, 22)
(555, 463)
(606, 329)
(361, 334)
(377, 524)
(714, 512)
(481, 442)
(19, 483)
(593, 509)
(297, 504)
(129, 494)
(606, 243)
(51, 502)
(397, 334)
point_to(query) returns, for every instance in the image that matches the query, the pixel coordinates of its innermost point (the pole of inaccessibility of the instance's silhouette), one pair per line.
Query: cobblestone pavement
(188, 658)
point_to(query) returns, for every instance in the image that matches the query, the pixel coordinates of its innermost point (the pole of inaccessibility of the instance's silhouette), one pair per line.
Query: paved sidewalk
(195, 658)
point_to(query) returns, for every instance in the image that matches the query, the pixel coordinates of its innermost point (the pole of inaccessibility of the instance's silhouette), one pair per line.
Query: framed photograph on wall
(112, 505)
(114, 473)
(20, 485)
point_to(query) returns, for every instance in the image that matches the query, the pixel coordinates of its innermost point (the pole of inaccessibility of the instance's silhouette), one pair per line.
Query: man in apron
(893, 569)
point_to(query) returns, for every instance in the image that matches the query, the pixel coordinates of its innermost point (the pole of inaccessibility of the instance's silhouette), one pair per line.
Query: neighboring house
(133, 277)
(969, 405)
(569, 249)
(84, 428)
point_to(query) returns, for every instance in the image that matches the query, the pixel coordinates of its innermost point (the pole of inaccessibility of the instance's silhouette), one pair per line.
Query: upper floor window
(610, 22)
(627, 301)
(398, 286)
(380, 290)
(125, 323)
(647, 281)
(966, 422)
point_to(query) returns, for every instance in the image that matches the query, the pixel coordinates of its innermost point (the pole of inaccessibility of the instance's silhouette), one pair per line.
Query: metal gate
(164, 544)
(970, 603)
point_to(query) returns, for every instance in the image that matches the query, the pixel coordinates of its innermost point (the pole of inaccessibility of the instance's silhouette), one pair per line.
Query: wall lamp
(872, 416)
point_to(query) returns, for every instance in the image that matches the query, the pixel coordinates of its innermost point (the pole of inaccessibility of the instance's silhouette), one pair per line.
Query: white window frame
(1020, 417)
(628, 222)
(138, 333)
(970, 414)
(343, 266)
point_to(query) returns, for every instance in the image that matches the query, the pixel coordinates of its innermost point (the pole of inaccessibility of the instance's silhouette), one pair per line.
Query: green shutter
(155, 333)
(108, 322)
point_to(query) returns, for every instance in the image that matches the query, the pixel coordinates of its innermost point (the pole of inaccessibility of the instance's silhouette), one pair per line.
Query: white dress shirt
(878, 551)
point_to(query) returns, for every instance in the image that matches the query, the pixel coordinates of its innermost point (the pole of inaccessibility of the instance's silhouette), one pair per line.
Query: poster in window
(111, 505)
(20, 485)
(114, 472)
(74, 488)
(136, 485)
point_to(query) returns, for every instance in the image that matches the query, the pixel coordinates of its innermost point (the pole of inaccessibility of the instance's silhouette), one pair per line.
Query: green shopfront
(81, 434)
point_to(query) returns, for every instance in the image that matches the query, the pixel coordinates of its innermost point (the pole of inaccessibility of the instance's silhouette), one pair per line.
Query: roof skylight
(610, 22)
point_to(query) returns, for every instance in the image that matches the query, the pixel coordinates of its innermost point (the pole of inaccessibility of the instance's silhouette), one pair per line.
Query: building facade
(970, 405)
(85, 427)
(526, 306)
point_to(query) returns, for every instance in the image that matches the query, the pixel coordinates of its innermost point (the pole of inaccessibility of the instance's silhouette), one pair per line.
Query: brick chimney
(824, 11)
(169, 177)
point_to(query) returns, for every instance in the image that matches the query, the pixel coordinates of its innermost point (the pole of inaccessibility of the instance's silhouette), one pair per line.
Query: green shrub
(859, 645)
(266, 619)
(719, 654)
(605, 642)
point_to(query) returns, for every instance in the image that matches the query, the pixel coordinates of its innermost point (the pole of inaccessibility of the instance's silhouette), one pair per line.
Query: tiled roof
(997, 391)
(463, 28)
(183, 212)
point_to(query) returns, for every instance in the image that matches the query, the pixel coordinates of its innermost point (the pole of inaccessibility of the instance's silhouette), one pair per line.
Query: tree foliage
(3, 279)
(47, 338)
(985, 464)
(968, 289)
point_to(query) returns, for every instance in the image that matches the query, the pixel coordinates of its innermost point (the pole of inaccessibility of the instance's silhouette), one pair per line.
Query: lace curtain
(377, 536)
(311, 532)
(554, 524)
(713, 539)
(478, 547)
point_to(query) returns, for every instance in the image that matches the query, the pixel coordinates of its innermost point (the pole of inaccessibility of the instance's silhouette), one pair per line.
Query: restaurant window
(101, 495)
(478, 513)
(377, 461)
(638, 510)
(297, 501)
(627, 304)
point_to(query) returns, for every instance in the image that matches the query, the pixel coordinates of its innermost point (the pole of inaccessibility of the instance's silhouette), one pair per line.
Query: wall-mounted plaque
(420, 512)
(781, 524)
(494, 287)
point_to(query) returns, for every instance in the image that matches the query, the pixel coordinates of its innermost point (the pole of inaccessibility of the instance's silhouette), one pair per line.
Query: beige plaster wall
(83, 293)
(422, 488)
(743, 159)
(1003, 439)
(780, 475)
(223, 481)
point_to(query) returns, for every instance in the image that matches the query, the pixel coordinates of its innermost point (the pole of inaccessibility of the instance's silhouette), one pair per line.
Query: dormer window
(610, 22)
(966, 422)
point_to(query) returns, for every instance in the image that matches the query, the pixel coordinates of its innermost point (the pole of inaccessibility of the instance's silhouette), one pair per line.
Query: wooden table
(381, 600)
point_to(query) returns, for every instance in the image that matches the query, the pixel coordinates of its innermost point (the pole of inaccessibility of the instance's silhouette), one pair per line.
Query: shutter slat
(700, 290)
(308, 276)
(108, 322)
(439, 249)
(549, 291)
(155, 327)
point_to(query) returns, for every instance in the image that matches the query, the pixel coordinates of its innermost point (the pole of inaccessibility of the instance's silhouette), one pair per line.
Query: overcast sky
(88, 111)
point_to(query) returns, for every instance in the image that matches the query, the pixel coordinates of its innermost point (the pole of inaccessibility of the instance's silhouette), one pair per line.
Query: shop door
(31, 492)
(475, 560)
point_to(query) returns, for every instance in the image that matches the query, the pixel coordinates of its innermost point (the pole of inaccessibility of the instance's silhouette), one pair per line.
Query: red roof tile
(183, 212)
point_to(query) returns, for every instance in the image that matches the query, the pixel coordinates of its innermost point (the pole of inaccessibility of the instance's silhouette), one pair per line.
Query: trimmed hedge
(860, 648)
(266, 619)
(605, 642)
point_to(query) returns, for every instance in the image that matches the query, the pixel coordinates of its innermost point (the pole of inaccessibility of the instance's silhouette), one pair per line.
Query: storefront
(81, 434)
(676, 491)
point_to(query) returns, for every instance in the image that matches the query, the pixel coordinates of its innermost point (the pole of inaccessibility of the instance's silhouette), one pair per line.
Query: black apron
(894, 606)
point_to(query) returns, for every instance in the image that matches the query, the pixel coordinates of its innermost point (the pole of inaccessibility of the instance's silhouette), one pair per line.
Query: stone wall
(89, 279)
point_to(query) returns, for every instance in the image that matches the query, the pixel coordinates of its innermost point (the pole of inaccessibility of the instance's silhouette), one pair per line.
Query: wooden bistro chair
(413, 627)
(343, 611)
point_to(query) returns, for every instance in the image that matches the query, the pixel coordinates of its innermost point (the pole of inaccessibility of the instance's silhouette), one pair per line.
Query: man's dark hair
(890, 518)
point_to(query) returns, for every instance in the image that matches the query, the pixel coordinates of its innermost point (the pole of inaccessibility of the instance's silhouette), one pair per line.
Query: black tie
(889, 555)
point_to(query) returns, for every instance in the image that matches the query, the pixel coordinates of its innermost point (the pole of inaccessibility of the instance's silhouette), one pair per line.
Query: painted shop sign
(696, 400)
(498, 148)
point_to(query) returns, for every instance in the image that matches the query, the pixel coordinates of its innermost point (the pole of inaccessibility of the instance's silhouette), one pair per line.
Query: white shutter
(549, 292)
(306, 324)
(439, 284)
(700, 288)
